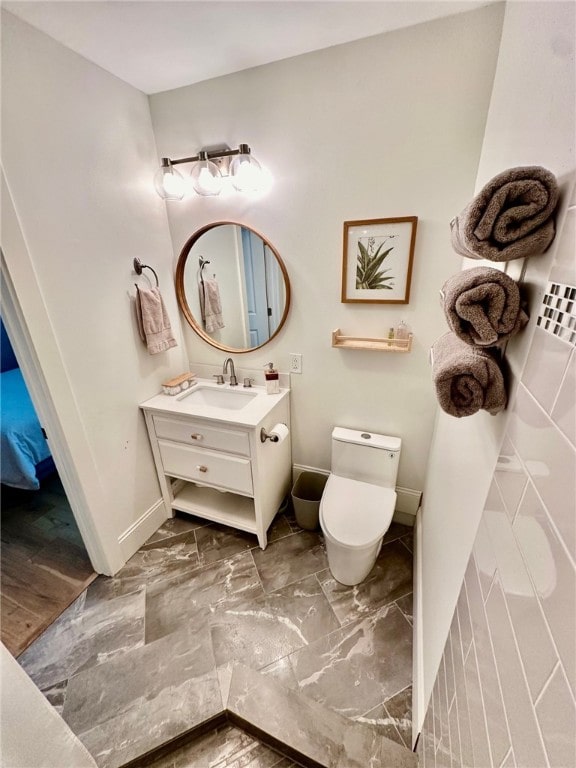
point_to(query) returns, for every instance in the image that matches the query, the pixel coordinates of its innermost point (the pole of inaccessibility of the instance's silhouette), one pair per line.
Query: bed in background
(24, 454)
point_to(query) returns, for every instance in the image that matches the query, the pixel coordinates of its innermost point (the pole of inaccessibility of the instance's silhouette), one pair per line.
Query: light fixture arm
(243, 149)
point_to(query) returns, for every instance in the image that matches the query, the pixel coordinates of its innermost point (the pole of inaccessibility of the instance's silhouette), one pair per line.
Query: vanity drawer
(207, 467)
(203, 435)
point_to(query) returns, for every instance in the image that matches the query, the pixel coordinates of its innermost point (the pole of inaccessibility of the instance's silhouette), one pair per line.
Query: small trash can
(306, 495)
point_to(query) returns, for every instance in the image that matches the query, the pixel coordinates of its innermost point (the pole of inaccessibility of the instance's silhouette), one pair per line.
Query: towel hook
(138, 267)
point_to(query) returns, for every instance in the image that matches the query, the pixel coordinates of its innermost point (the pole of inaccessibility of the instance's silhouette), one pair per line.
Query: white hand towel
(210, 304)
(153, 321)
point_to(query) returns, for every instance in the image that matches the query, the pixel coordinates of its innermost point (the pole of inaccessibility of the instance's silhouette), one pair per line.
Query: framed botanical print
(377, 263)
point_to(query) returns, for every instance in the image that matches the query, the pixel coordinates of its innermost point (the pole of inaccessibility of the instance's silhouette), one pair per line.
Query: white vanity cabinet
(212, 463)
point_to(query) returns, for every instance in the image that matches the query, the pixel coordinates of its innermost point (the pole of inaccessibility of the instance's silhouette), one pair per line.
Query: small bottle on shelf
(402, 330)
(390, 337)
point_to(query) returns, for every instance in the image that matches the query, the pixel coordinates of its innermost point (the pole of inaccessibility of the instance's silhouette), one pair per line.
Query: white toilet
(358, 501)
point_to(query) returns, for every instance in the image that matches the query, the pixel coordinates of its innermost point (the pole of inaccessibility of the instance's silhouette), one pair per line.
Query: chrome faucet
(233, 379)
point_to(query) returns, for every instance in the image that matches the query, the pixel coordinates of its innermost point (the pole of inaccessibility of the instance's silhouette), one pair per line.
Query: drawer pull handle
(202, 468)
(196, 436)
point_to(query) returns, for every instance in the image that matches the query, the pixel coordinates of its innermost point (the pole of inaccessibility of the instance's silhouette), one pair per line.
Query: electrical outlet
(295, 362)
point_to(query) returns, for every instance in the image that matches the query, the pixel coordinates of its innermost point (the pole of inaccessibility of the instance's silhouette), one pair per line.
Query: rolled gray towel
(483, 306)
(467, 379)
(511, 217)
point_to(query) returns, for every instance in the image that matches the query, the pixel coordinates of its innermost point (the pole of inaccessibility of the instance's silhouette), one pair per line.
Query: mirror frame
(181, 295)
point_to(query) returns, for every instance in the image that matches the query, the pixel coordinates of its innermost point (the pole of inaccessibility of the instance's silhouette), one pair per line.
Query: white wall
(387, 126)
(530, 122)
(78, 151)
(33, 735)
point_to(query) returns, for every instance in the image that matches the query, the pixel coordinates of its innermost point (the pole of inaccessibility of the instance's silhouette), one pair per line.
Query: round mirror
(232, 287)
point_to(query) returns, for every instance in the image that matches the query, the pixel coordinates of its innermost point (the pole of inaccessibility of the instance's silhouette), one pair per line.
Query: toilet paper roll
(279, 431)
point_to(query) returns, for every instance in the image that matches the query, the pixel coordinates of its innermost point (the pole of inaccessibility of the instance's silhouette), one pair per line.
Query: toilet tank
(366, 456)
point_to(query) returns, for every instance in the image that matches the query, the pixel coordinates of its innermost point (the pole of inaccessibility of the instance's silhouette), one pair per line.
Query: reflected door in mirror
(265, 292)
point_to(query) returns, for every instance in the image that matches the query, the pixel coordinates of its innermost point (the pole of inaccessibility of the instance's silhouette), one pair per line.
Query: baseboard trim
(407, 502)
(148, 523)
(297, 469)
(404, 518)
(418, 703)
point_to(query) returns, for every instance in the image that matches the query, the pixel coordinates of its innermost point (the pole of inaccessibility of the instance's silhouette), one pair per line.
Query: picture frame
(377, 260)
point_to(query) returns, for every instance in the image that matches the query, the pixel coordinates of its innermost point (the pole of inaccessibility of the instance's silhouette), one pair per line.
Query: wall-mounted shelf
(376, 344)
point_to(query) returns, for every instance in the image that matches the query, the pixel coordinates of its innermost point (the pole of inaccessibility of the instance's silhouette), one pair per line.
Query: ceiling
(157, 45)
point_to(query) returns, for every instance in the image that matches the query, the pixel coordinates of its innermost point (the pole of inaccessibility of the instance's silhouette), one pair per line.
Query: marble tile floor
(269, 725)
(151, 644)
(224, 747)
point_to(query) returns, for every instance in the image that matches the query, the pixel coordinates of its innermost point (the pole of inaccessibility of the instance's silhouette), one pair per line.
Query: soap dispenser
(272, 379)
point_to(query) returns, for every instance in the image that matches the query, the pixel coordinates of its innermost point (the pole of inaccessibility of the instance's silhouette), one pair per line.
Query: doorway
(44, 565)
(32, 337)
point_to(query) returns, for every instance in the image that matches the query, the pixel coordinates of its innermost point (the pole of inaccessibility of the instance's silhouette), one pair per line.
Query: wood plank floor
(43, 564)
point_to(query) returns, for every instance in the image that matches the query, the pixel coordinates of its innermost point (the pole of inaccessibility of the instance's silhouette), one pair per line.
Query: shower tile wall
(505, 692)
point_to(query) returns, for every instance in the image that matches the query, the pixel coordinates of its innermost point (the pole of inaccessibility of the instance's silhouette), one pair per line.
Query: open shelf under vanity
(217, 506)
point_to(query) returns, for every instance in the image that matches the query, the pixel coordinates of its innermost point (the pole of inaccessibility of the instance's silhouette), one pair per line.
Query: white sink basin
(208, 400)
(228, 399)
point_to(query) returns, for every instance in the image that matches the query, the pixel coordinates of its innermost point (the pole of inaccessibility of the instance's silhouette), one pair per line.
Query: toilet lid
(356, 513)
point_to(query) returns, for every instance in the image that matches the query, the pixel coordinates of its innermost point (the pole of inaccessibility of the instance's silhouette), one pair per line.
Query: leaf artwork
(370, 258)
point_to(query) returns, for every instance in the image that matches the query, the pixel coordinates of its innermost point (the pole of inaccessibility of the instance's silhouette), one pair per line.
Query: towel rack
(138, 267)
(202, 263)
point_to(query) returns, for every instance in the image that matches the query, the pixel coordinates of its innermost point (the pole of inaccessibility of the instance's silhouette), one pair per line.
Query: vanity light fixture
(206, 176)
(169, 183)
(209, 169)
(246, 171)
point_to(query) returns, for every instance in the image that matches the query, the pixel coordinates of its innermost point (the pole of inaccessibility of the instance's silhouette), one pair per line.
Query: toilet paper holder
(265, 436)
(277, 434)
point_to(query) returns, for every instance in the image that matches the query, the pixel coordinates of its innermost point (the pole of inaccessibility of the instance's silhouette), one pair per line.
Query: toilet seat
(354, 513)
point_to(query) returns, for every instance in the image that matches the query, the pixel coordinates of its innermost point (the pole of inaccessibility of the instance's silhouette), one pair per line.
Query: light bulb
(246, 173)
(206, 177)
(169, 184)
